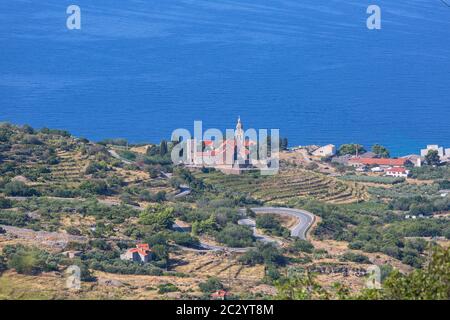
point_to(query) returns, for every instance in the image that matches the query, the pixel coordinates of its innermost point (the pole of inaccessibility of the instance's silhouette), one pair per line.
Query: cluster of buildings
(393, 167)
(388, 166)
(231, 156)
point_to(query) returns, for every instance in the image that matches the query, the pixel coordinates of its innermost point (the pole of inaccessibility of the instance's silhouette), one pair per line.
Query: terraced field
(220, 265)
(286, 185)
(68, 172)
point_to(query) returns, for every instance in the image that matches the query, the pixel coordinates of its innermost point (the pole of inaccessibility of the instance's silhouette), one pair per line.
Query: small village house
(380, 162)
(219, 295)
(397, 172)
(142, 253)
(325, 151)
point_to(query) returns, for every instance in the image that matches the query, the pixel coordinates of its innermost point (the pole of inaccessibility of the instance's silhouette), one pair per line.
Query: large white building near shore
(444, 153)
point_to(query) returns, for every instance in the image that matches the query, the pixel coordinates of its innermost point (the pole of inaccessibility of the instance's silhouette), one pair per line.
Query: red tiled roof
(143, 249)
(219, 294)
(379, 162)
(222, 149)
(144, 246)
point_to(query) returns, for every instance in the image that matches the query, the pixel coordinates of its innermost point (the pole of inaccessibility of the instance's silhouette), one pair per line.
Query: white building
(441, 151)
(397, 172)
(325, 151)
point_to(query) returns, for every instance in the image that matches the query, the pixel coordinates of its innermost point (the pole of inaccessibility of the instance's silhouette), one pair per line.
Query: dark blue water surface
(139, 69)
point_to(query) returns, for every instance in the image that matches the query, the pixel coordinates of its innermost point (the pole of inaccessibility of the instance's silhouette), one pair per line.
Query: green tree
(430, 283)
(351, 149)
(160, 253)
(160, 217)
(283, 144)
(432, 158)
(163, 148)
(303, 287)
(380, 151)
(236, 236)
(204, 226)
(31, 261)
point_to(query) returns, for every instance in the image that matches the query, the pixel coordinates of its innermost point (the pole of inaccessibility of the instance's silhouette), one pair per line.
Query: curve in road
(306, 219)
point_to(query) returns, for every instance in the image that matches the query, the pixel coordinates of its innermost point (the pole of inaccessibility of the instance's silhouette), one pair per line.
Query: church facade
(230, 155)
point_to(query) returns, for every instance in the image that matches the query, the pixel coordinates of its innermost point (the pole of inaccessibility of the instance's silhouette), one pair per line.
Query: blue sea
(139, 69)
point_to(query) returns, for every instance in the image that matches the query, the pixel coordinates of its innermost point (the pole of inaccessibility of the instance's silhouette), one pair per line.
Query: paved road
(114, 154)
(306, 219)
(299, 230)
(259, 236)
(184, 191)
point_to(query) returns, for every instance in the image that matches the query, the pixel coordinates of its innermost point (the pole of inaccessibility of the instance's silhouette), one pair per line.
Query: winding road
(299, 230)
(306, 219)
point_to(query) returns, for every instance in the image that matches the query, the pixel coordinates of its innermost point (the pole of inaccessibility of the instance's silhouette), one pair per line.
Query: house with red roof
(142, 253)
(219, 295)
(380, 162)
(398, 172)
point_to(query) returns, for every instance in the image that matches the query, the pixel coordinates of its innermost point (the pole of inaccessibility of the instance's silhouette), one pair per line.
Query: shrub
(266, 221)
(94, 167)
(100, 244)
(444, 184)
(3, 265)
(251, 258)
(5, 203)
(30, 139)
(73, 231)
(167, 287)
(211, 285)
(301, 246)
(184, 239)
(236, 236)
(373, 179)
(13, 218)
(127, 155)
(446, 233)
(264, 253)
(99, 187)
(430, 172)
(19, 189)
(355, 257)
(30, 261)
